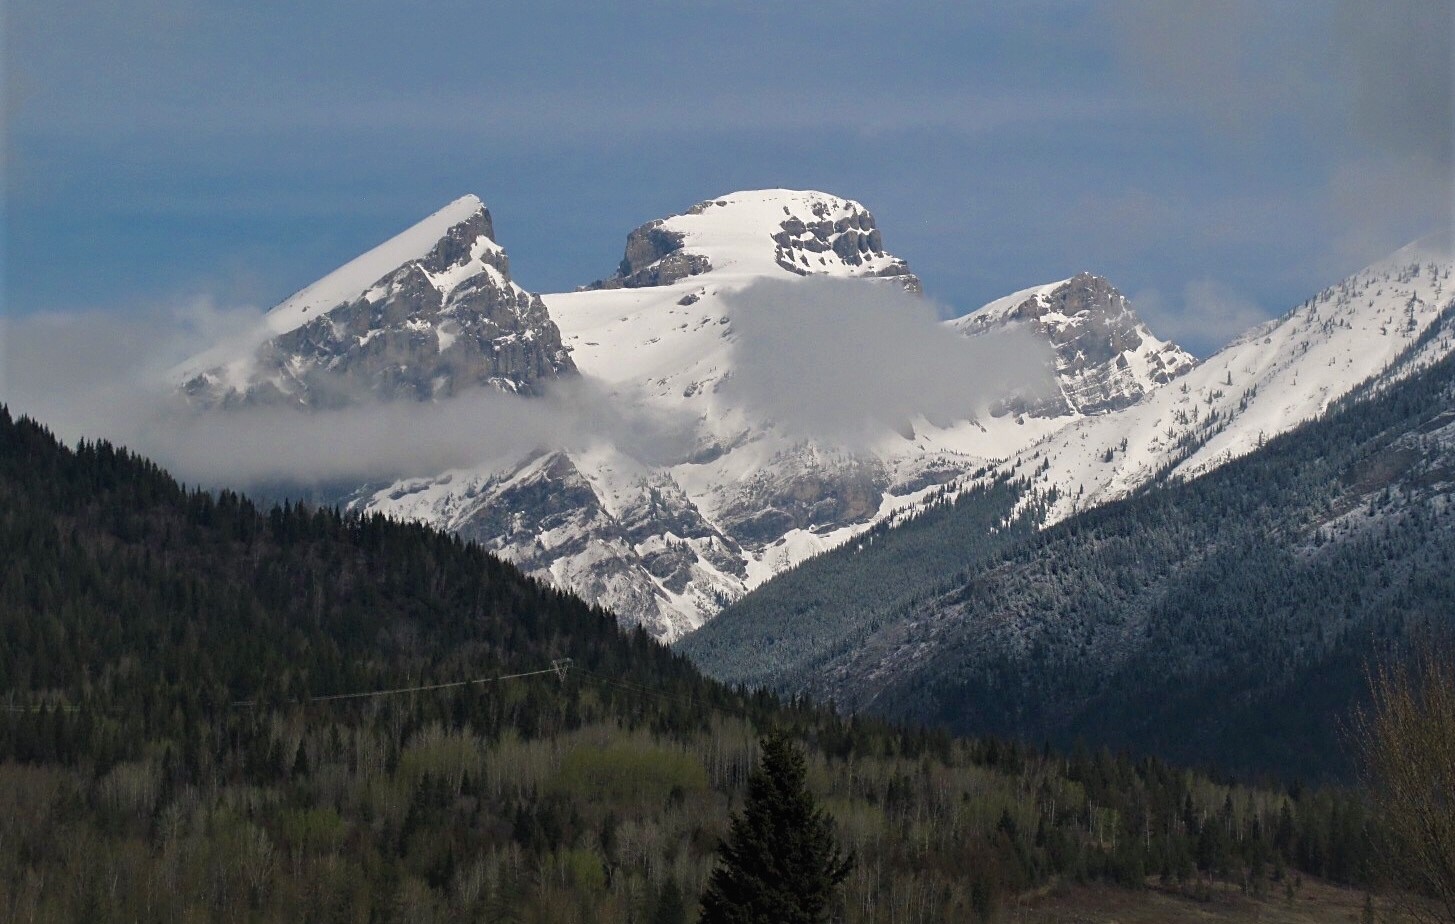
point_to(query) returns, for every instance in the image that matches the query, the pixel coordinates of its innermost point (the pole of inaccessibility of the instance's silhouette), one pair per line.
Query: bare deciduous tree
(1406, 740)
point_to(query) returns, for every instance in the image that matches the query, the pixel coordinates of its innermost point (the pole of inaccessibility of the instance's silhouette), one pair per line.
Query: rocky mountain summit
(663, 531)
(1106, 358)
(426, 315)
(815, 233)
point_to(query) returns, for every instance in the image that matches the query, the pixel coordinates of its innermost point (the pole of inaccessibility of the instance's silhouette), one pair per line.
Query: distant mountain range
(1104, 553)
(666, 543)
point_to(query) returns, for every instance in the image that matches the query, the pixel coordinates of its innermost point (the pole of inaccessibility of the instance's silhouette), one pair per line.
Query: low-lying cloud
(99, 375)
(832, 360)
(844, 361)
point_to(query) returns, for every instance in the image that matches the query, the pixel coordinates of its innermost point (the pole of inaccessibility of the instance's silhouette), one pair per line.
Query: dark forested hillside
(826, 605)
(121, 587)
(165, 754)
(1224, 621)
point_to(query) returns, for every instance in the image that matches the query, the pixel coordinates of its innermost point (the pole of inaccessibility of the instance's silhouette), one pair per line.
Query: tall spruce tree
(780, 863)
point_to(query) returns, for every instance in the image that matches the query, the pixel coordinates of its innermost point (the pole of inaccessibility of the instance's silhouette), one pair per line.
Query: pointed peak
(356, 276)
(1011, 306)
(467, 201)
(1106, 357)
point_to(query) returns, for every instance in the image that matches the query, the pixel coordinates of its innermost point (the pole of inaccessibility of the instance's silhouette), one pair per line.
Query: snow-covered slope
(666, 543)
(1266, 382)
(425, 314)
(358, 275)
(664, 525)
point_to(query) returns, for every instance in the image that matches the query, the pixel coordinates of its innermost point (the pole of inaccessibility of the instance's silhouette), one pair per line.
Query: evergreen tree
(780, 863)
(670, 908)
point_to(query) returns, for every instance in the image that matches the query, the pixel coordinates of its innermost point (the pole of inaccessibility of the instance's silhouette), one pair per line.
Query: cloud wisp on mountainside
(97, 375)
(840, 361)
(845, 362)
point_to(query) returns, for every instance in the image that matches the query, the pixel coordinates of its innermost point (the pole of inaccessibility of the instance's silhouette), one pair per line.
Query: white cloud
(843, 361)
(105, 375)
(836, 360)
(1207, 316)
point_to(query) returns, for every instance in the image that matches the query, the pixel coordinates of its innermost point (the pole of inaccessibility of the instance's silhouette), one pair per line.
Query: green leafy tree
(780, 863)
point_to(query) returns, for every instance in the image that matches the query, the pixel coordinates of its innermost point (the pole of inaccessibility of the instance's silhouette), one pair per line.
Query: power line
(559, 667)
(39, 707)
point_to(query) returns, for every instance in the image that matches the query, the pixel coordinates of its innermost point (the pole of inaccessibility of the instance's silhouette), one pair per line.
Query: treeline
(404, 812)
(161, 757)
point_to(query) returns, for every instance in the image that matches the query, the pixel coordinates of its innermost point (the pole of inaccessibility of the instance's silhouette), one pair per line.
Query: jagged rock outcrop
(848, 232)
(804, 488)
(801, 232)
(602, 525)
(439, 322)
(1106, 358)
(654, 257)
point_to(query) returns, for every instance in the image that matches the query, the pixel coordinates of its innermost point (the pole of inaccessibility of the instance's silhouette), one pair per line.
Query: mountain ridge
(443, 318)
(1181, 620)
(666, 542)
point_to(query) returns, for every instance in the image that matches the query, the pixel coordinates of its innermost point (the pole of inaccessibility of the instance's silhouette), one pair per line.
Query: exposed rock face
(804, 488)
(1106, 358)
(850, 235)
(604, 527)
(654, 257)
(448, 320)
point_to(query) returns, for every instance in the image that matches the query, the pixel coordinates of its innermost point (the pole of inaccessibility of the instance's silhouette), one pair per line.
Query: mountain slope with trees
(1224, 620)
(167, 753)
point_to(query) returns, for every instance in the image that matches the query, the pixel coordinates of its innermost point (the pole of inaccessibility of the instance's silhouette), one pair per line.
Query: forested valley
(168, 753)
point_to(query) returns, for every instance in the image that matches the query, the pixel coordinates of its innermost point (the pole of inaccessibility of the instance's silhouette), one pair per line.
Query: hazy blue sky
(1219, 161)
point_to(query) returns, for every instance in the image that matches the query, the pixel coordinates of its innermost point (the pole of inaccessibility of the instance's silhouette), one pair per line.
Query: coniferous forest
(168, 751)
(1225, 620)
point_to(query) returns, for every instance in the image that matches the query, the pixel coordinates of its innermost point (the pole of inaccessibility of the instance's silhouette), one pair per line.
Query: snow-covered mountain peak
(1023, 305)
(466, 216)
(764, 232)
(429, 312)
(1106, 357)
(1373, 328)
